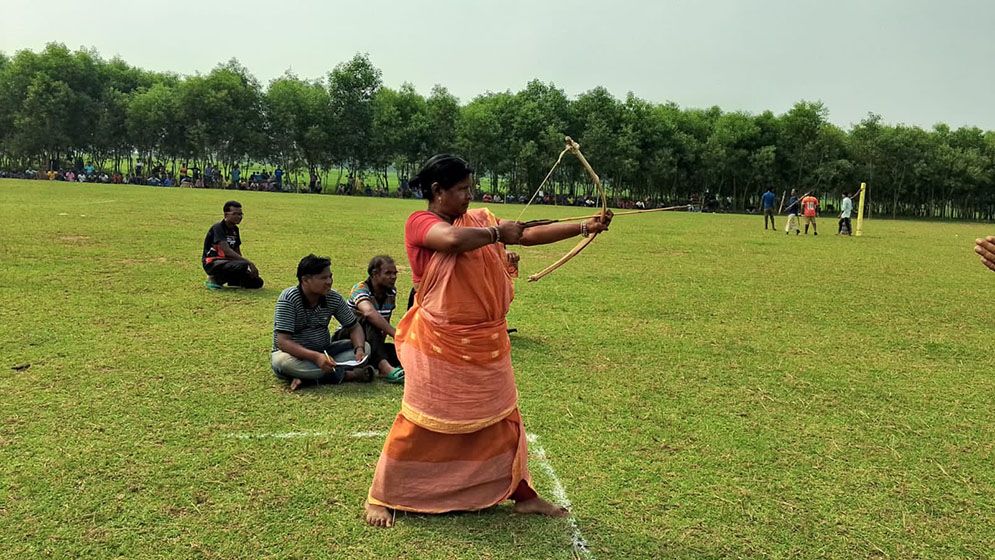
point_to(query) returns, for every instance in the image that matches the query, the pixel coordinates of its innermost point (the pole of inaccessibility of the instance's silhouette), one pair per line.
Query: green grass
(704, 389)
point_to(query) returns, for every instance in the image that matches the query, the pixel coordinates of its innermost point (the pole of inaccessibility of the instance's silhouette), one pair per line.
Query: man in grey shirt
(302, 344)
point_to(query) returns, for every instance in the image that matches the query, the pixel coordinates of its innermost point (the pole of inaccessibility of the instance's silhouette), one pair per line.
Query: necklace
(442, 217)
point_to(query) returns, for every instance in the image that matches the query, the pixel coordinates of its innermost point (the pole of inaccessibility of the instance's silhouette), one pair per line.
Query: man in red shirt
(810, 209)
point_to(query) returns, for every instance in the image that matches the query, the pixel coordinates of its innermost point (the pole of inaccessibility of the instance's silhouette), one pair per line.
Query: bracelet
(583, 230)
(495, 234)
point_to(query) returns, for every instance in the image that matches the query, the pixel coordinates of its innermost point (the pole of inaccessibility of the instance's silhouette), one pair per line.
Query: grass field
(701, 388)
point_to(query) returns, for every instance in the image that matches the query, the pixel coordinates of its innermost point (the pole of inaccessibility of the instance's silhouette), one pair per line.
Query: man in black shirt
(222, 259)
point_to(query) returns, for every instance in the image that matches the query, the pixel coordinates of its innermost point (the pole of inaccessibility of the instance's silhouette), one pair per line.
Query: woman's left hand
(599, 224)
(513, 259)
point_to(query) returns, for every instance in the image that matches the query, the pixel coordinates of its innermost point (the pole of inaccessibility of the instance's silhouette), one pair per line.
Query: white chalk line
(281, 435)
(578, 542)
(293, 435)
(375, 434)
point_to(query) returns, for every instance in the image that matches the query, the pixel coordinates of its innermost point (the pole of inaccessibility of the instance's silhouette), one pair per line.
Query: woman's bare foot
(295, 384)
(540, 506)
(378, 516)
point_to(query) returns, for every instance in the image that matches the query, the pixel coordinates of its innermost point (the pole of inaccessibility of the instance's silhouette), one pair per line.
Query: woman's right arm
(445, 238)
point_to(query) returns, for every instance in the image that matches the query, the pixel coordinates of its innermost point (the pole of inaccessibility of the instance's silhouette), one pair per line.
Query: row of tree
(59, 104)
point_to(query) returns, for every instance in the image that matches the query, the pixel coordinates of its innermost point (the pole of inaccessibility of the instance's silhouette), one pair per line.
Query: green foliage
(298, 115)
(154, 122)
(60, 104)
(351, 89)
(223, 115)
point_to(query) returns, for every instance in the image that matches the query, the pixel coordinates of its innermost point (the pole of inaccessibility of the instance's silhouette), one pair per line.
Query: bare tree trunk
(735, 199)
(338, 180)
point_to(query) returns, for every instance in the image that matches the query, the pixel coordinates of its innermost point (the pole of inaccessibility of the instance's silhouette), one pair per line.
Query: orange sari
(458, 442)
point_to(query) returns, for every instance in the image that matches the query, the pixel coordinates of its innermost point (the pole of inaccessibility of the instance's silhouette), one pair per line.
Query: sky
(914, 62)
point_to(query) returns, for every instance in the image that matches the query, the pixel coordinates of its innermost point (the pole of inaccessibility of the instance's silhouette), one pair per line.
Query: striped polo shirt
(364, 291)
(309, 326)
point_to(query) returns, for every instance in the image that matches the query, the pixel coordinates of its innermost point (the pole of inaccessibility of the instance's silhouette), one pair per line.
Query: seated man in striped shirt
(373, 300)
(302, 345)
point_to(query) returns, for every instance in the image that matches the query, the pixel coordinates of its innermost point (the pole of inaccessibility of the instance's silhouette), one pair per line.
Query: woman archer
(459, 443)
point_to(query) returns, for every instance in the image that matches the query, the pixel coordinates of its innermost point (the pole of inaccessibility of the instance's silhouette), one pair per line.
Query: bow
(574, 148)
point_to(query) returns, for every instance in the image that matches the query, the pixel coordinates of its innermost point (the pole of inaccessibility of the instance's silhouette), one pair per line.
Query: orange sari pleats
(425, 471)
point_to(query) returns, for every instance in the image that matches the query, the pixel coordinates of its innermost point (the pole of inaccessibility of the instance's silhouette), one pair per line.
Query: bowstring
(543, 183)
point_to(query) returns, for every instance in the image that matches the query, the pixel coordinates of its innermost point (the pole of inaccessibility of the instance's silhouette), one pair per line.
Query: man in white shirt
(847, 210)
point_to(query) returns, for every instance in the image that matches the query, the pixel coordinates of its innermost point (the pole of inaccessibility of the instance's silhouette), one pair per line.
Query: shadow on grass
(524, 342)
(494, 531)
(347, 390)
(265, 292)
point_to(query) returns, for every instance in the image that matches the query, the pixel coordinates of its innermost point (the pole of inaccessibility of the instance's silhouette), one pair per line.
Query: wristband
(583, 230)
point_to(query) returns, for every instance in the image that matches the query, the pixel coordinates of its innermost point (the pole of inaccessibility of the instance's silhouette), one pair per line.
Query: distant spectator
(222, 257)
(846, 209)
(810, 209)
(793, 207)
(767, 205)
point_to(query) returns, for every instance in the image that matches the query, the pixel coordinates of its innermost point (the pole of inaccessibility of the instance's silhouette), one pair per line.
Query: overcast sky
(912, 61)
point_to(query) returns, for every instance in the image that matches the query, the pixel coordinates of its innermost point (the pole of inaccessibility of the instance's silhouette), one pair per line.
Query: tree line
(58, 105)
